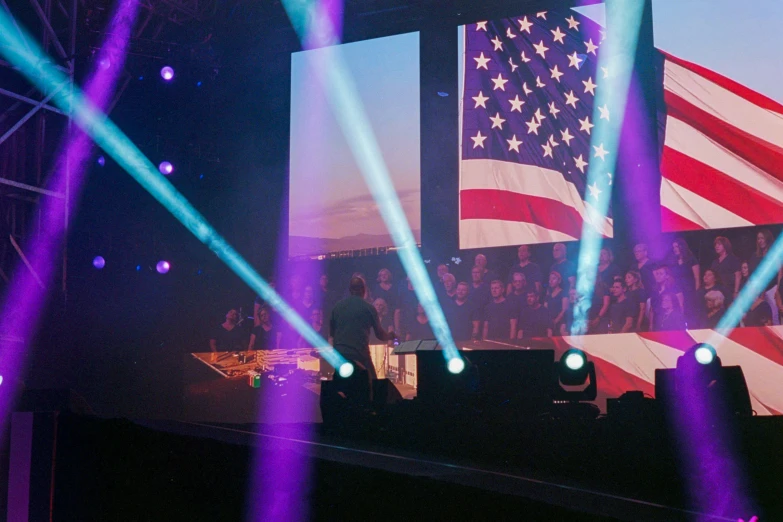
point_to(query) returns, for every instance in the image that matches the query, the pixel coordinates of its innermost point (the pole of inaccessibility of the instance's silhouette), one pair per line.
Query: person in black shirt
(259, 302)
(448, 290)
(517, 296)
(479, 292)
(637, 295)
(350, 325)
(711, 282)
(459, 315)
(664, 284)
(727, 266)
(643, 265)
(668, 316)
(487, 276)
(264, 336)
(386, 319)
(385, 289)
(405, 308)
(420, 326)
(228, 337)
(563, 266)
(533, 319)
(555, 301)
(715, 302)
(327, 297)
(530, 270)
(622, 312)
(442, 270)
(760, 313)
(607, 269)
(500, 323)
(685, 270)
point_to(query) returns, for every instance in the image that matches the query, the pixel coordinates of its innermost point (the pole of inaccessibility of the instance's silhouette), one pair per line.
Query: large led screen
(331, 209)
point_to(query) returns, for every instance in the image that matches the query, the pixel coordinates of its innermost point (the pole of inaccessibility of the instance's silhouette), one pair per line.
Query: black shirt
(498, 317)
(554, 304)
(419, 331)
(531, 271)
(234, 340)
(265, 340)
(534, 322)
(460, 319)
(673, 321)
(648, 279)
(725, 270)
(350, 325)
(619, 312)
(566, 269)
(390, 296)
(608, 274)
(756, 316)
(479, 297)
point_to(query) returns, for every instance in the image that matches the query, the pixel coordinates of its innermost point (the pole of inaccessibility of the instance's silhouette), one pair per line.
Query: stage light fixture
(166, 168)
(573, 370)
(346, 370)
(101, 161)
(575, 360)
(167, 73)
(99, 262)
(456, 365)
(163, 267)
(704, 354)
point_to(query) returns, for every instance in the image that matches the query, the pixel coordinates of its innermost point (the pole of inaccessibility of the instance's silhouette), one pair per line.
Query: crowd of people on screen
(673, 293)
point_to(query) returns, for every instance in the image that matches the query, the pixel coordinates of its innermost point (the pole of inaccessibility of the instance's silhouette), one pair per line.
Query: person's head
(531, 298)
(420, 311)
(722, 245)
(640, 252)
(384, 275)
(316, 317)
(765, 318)
(632, 278)
(523, 253)
(357, 287)
(518, 281)
(555, 279)
(496, 289)
(667, 303)
(745, 270)
(764, 240)
(442, 270)
(617, 289)
(710, 278)
(264, 317)
(559, 251)
(606, 256)
(481, 261)
(476, 273)
(714, 300)
(462, 291)
(308, 293)
(324, 282)
(660, 273)
(449, 282)
(572, 295)
(380, 306)
(232, 316)
(680, 249)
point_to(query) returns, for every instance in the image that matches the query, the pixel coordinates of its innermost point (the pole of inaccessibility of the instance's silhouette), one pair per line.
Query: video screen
(331, 209)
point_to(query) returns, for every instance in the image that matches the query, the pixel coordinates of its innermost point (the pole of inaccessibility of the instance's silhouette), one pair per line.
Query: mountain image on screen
(313, 246)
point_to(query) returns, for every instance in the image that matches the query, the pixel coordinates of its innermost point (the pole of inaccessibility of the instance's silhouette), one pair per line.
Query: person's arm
(602, 312)
(485, 330)
(513, 332)
(563, 330)
(252, 343)
(697, 275)
(213, 345)
(737, 278)
(628, 325)
(563, 308)
(377, 327)
(475, 329)
(640, 317)
(681, 300)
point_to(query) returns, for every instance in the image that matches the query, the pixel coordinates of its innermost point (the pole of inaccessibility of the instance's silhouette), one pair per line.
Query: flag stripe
(673, 222)
(485, 233)
(689, 173)
(762, 154)
(697, 209)
(726, 83)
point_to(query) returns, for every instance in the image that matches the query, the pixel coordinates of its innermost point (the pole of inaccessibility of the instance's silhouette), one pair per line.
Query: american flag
(528, 114)
(527, 118)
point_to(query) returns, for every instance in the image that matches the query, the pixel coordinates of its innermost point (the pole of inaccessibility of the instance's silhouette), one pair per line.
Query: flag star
(497, 121)
(516, 104)
(591, 47)
(481, 26)
(572, 23)
(542, 14)
(594, 190)
(606, 71)
(580, 163)
(524, 25)
(539, 116)
(558, 35)
(481, 100)
(547, 150)
(604, 113)
(553, 110)
(532, 126)
(539, 83)
(525, 89)
(600, 152)
(585, 125)
(514, 66)
(482, 61)
(499, 82)
(541, 49)
(556, 74)
(589, 86)
(478, 140)
(574, 60)
(552, 140)
(525, 59)
(566, 136)
(571, 99)
(497, 43)
(510, 34)
(513, 143)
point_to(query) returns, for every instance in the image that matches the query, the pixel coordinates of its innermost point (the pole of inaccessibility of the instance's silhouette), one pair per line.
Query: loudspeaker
(384, 393)
(728, 386)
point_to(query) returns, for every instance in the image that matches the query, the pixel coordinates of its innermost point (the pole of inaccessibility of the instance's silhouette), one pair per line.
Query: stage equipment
(166, 168)
(346, 370)
(99, 262)
(700, 371)
(163, 267)
(573, 370)
(167, 73)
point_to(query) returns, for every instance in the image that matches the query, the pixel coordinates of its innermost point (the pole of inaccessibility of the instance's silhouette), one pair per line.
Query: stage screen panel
(331, 209)
(527, 86)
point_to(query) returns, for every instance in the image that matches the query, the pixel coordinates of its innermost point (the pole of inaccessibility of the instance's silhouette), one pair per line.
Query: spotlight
(166, 168)
(575, 360)
(99, 262)
(1, 380)
(574, 369)
(163, 267)
(704, 354)
(138, 268)
(346, 370)
(167, 73)
(101, 161)
(456, 365)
